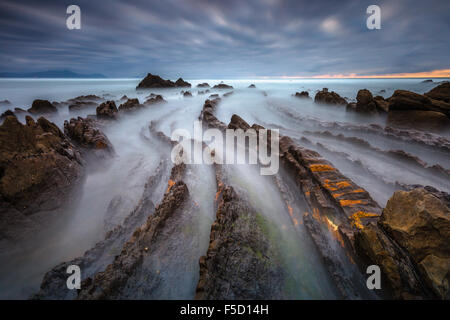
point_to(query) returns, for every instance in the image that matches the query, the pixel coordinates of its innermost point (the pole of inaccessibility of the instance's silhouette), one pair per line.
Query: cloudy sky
(226, 39)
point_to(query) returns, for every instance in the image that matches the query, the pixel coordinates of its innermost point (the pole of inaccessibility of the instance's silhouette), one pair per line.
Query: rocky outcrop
(181, 83)
(302, 95)
(403, 100)
(419, 221)
(154, 81)
(366, 103)
(429, 121)
(327, 97)
(252, 86)
(6, 113)
(80, 105)
(42, 107)
(130, 105)
(38, 165)
(222, 86)
(86, 134)
(241, 262)
(154, 98)
(107, 110)
(441, 92)
(203, 85)
(187, 94)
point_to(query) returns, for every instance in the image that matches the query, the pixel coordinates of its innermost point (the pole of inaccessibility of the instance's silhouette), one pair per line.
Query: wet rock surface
(129, 105)
(42, 107)
(441, 92)
(107, 110)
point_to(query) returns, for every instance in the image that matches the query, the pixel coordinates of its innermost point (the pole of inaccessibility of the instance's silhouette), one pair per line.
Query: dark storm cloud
(225, 38)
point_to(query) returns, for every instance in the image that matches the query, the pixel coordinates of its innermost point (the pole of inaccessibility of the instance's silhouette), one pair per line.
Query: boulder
(203, 85)
(302, 95)
(86, 134)
(407, 100)
(107, 110)
(327, 97)
(382, 105)
(365, 102)
(252, 86)
(419, 221)
(38, 165)
(130, 104)
(181, 83)
(42, 106)
(187, 94)
(441, 92)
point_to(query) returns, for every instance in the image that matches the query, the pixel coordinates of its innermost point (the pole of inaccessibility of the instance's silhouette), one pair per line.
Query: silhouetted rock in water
(181, 83)
(152, 99)
(187, 94)
(19, 111)
(38, 166)
(252, 86)
(130, 104)
(222, 86)
(327, 97)
(42, 107)
(427, 81)
(134, 272)
(80, 105)
(413, 231)
(228, 94)
(203, 92)
(403, 100)
(5, 103)
(107, 110)
(154, 81)
(441, 92)
(302, 95)
(417, 119)
(203, 85)
(86, 134)
(241, 261)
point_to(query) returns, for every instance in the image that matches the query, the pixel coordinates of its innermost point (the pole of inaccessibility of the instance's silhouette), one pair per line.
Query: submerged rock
(327, 97)
(38, 165)
(154, 81)
(42, 106)
(107, 110)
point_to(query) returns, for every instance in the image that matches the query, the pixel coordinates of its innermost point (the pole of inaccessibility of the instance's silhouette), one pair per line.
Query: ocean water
(323, 128)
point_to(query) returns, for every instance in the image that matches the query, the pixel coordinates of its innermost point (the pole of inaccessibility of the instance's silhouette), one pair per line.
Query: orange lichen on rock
(321, 167)
(357, 216)
(337, 195)
(334, 186)
(170, 184)
(346, 203)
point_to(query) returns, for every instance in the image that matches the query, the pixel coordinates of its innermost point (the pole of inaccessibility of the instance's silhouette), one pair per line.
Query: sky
(200, 39)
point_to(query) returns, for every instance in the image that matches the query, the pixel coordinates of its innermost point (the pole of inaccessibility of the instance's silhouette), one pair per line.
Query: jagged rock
(364, 102)
(382, 105)
(85, 133)
(154, 81)
(441, 92)
(38, 165)
(181, 83)
(7, 113)
(42, 106)
(203, 85)
(252, 86)
(237, 122)
(419, 221)
(327, 97)
(222, 86)
(130, 104)
(154, 99)
(107, 110)
(124, 98)
(302, 95)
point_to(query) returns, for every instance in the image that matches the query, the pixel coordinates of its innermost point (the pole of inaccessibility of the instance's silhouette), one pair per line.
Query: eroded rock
(327, 97)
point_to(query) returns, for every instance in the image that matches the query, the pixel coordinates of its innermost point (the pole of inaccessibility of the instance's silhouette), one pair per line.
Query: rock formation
(42, 107)
(154, 81)
(222, 86)
(203, 85)
(441, 92)
(107, 110)
(327, 97)
(130, 104)
(302, 95)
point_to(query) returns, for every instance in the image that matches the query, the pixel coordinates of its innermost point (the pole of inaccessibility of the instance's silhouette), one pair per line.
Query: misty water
(72, 230)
